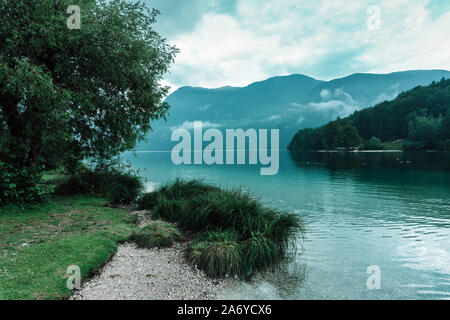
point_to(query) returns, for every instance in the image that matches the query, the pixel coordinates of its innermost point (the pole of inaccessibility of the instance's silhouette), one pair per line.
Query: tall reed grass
(236, 235)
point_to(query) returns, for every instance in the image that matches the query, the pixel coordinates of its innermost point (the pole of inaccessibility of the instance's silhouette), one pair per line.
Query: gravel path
(149, 274)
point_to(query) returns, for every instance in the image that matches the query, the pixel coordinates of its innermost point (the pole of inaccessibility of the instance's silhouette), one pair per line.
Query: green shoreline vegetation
(39, 242)
(231, 233)
(62, 104)
(234, 234)
(418, 119)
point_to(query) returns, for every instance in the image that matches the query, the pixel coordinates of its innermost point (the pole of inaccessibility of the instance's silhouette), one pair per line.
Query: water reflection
(360, 209)
(435, 161)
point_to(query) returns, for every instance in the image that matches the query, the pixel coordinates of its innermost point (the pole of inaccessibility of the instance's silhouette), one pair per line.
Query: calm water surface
(391, 210)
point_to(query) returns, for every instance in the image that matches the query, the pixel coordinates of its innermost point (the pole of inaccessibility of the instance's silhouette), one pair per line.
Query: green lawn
(38, 243)
(394, 145)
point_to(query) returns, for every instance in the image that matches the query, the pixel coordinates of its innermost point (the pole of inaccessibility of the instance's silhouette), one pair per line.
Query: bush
(157, 234)
(21, 185)
(373, 144)
(444, 145)
(236, 234)
(118, 187)
(124, 189)
(413, 146)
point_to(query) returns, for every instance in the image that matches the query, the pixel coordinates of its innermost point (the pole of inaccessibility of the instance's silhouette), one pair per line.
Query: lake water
(390, 210)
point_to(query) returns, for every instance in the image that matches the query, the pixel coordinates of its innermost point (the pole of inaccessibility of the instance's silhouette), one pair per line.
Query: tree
(89, 92)
(445, 126)
(373, 144)
(425, 130)
(331, 135)
(349, 136)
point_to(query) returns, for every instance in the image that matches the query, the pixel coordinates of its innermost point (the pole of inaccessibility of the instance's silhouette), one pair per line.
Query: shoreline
(150, 274)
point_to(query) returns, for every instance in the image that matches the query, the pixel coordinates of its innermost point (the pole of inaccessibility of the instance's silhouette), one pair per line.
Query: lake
(385, 209)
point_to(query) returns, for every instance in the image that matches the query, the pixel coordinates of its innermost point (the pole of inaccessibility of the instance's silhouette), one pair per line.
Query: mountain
(288, 103)
(421, 116)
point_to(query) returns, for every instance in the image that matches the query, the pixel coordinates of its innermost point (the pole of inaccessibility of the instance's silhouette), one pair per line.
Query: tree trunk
(35, 150)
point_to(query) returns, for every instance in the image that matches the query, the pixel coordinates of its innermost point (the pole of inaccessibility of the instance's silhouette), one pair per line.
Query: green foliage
(20, 185)
(71, 95)
(349, 136)
(119, 187)
(445, 127)
(425, 130)
(373, 144)
(124, 189)
(413, 146)
(444, 145)
(416, 115)
(336, 134)
(217, 253)
(169, 200)
(236, 234)
(167, 208)
(223, 209)
(156, 234)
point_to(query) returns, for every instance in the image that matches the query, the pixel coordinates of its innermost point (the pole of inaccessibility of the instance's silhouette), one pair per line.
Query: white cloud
(341, 102)
(189, 125)
(300, 120)
(324, 94)
(324, 39)
(274, 118)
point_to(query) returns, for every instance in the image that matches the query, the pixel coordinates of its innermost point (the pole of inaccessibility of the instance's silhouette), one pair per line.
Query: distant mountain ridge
(288, 103)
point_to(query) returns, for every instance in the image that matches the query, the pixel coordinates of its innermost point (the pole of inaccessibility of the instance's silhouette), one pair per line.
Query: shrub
(124, 189)
(444, 145)
(373, 144)
(21, 185)
(118, 187)
(218, 253)
(85, 181)
(156, 234)
(413, 146)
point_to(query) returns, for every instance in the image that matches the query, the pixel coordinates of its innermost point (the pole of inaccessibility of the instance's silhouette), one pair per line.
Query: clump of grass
(222, 209)
(236, 234)
(217, 253)
(177, 190)
(168, 209)
(157, 234)
(170, 200)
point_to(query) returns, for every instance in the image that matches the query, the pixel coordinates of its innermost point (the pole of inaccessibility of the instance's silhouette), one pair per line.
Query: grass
(169, 201)
(39, 242)
(394, 145)
(217, 253)
(236, 235)
(156, 234)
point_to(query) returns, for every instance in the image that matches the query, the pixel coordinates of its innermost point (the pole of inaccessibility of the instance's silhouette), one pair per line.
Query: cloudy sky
(237, 42)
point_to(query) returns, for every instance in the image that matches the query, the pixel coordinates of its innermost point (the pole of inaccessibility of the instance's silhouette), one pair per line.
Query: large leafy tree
(78, 93)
